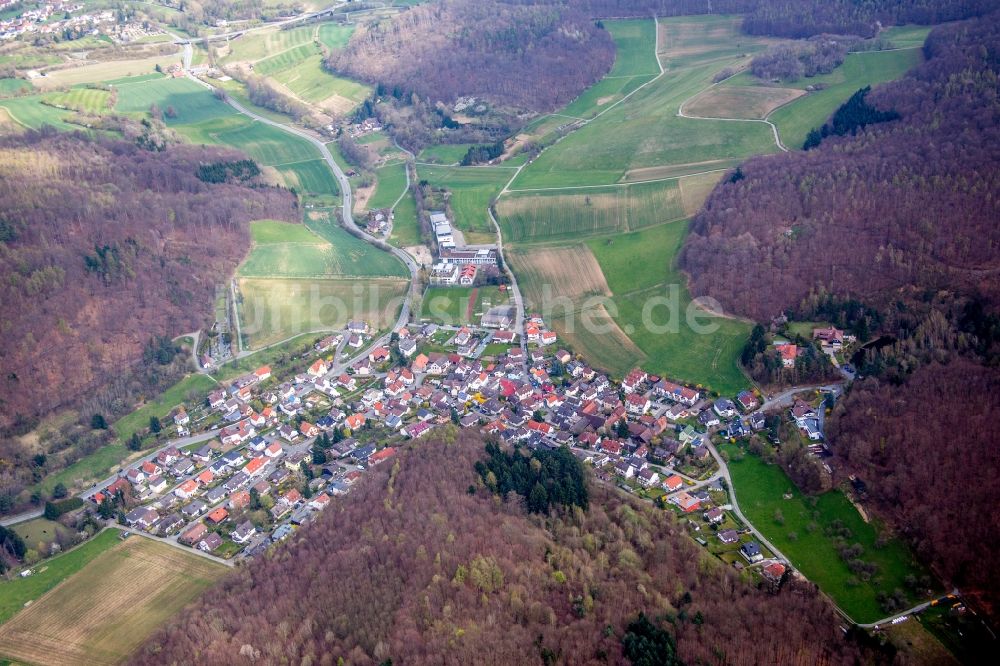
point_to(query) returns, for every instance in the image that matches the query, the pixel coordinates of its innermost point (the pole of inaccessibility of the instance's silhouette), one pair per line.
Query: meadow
(40, 532)
(104, 71)
(405, 225)
(191, 102)
(451, 305)
(31, 113)
(191, 387)
(104, 611)
(472, 190)
(312, 178)
(294, 251)
(88, 100)
(18, 591)
(274, 309)
(391, 184)
(547, 215)
(802, 533)
(444, 153)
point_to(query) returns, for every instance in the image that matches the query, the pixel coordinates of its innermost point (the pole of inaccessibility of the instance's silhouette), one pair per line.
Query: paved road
(347, 219)
(184, 441)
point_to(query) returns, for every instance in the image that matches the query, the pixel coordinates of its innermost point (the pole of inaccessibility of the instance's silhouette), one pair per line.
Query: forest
(907, 202)
(934, 474)
(526, 56)
(416, 567)
(105, 247)
(890, 231)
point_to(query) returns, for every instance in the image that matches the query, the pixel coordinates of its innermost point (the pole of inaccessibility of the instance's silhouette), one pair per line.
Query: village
(56, 18)
(267, 453)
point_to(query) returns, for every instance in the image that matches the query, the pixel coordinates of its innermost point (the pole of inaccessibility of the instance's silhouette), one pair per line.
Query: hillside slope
(421, 564)
(103, 246)
(908, 202)
(531, 56)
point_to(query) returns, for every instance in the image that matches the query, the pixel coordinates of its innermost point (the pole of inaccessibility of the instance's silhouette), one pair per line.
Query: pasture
(104, 71)
(191, 102)
(745, 102)
(312, 178)
(294, 251)
(472, 189)
(274, 309)
(29, 112)
(18, 591)
(445, 153)
(38, 533)
(803, 533)
(102, 613)
(635, 63)
(644, 130)
(310, 82)
(13, 86)
(87, 100)
(264, 43)
(192, 387)
(547, 215)
(334, 35)
(859, 70)
(391, 184)
(652, 305)
(405, 225)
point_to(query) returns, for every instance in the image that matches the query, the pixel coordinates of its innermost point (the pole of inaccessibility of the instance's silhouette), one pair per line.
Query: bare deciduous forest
(891, 231)
(104, 246)
(422, 564)
(535, 56)
(900, 203)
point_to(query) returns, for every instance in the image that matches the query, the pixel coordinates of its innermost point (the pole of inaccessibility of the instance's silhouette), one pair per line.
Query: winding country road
(347, 219)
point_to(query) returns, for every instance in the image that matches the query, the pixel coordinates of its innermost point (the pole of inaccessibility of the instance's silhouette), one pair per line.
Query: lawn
(274, 309)
(30, 112)
(445, 153)
(88, 100)
(859, 70)
(801, 534)
(191, 103)
(391, 183)
(137, 585)
(192, 387)
(40, 532)
(18, 591)
(334, 35)
(405, 225)
(573, 213)
(472, 189)
(450, 305)
(296, 251)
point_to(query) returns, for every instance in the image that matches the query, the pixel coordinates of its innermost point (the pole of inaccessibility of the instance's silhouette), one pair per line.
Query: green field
(635, 64)
(276, 309)
(18, 591)
(87, 100)
(391, 183)
(640, 269)
(643, 133)
(30, 112)
(335, 36)
(472, 189)
(905, 36)
(450, 305)
(312, 178)
(445, 153)
(193, 385)
(405, 225)
(573, 213)
(284, 60)
(305, 254)
(859, 70)
(309, 81)
(760, 488)
(260, 45)
(191, 102)
(13, 86)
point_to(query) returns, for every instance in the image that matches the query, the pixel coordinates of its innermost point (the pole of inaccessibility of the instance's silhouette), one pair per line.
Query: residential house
(751, 551)
(243, 532)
